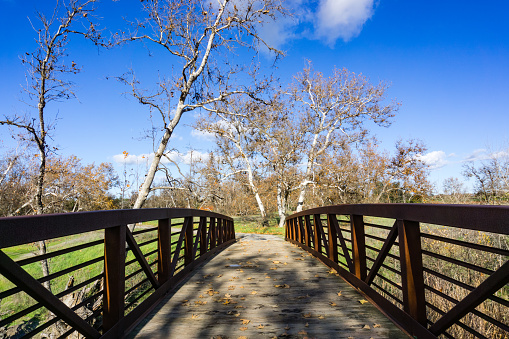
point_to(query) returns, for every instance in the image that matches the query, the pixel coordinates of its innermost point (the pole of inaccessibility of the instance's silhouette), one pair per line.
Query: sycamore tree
(202, 40)
(232, 122)
(48, 69)
(334, 109)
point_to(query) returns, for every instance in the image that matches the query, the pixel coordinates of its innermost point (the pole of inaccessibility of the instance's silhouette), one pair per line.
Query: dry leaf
(332, 304)
(245, 321)
(288, 327)
(227, 295)
(317, 276)
(250, 278)
(195, 316)
(282, 286)
(242, 337)
(260, 326)
(254, 292)
(339, 294)
(307, 325)
(243, 328)
(184, 301)
(199, 302)
(276, 262)
(307, 315)
(303, 332)
(219, 276)
(321, 317)
(267, 277)
(367, 327)
(376, 325)
(231, 287)
(363, 301)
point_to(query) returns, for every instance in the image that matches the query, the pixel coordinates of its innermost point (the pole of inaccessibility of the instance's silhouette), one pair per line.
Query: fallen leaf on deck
(219, 276)
(250, 278)
(288, 327)
(376, 325)
(267, 277)
(276, 262)
(231, 287)
(303, 332)
(245, 321)
(243, 328)
(282, 286)
(363, 301)
(184, 301)
(332, 304)
(195, 316)
(321, 317)
(199, 302)
(241, 286)
(332, 271)
(228, 295)
(367, 327)
(238, 306)
(242, 337)
(260, 326)
(307, 325)
(201, 296)
(254, 292)
(317, 276)
(299, 259)
(307, 315)
(339, 294)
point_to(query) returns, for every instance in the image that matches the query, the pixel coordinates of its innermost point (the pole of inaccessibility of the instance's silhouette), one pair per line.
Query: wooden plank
(308, 230)
(138, 254)
(15, 274)
(412, 278)
(114, 275)
(289, 301)
(488, 287)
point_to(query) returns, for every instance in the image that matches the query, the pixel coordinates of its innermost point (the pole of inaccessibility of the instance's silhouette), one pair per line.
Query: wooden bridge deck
(263, 287)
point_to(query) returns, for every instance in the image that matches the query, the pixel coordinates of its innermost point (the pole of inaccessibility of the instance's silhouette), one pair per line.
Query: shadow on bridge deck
(264, 287)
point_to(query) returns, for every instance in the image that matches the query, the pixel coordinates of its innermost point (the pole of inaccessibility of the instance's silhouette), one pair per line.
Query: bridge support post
(114, 275)
(412, 279)
(358, 246)
(164, 256)
(213, 234)
(333, 238)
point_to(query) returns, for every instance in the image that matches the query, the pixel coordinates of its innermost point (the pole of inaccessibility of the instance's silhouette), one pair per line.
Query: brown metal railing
(436, 270)
(118, 284)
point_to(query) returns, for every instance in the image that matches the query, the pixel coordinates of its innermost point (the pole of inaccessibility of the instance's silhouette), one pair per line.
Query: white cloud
(179, 158)
(202, 135)
(435, 159)
(478, 154)
(341, 19)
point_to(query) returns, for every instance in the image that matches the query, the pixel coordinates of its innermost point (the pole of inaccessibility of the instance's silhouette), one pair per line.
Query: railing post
(213, 238)
(188, 241)
(164, 255)
(114, 275)
(307, 225)
(333, 238)
(219, 229)
(358, 246)
(203, 235)
(317, 241)
(412, 279)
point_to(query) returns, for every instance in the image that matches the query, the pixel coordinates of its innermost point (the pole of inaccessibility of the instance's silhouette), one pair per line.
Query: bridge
(345, 271)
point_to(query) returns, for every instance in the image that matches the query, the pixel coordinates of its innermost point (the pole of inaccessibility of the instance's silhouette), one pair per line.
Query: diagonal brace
(493, 283)
(138, 254)
(18, 276)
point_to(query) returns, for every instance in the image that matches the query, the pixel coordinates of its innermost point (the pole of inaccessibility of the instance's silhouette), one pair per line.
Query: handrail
(428, 267)
(120, 300)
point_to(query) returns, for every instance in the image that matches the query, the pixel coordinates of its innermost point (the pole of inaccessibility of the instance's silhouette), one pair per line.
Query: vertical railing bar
(164, 254)
(412, 277)
(358, 246)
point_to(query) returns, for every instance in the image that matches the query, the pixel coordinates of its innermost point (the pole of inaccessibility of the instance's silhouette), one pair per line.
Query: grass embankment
(252, 224)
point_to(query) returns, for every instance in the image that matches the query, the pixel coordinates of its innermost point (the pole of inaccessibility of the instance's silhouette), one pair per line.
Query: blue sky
(447, 61)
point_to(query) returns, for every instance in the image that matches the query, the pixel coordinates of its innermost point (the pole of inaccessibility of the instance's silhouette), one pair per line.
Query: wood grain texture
(263, 287)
